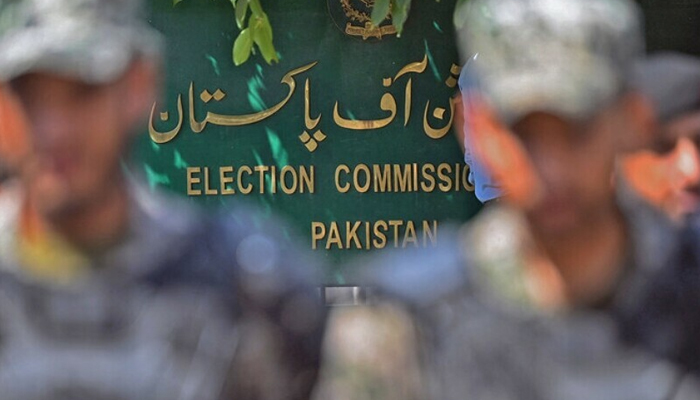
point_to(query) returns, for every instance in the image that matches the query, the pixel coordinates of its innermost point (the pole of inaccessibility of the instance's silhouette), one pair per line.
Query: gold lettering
(379, 240)
(402, 180)
(361, 188)
(428, 177)
(351, 232)
(410, 235)
(247, 188)
(225, 180)
(286, 170)
(376, 234)
(415, 176)
(191, 180)
(341, 189)
(367, 241)
(382, 178)
(207, 190)
(430, 233)
(465, 179)
(458, 169)
(273, 179)
(307, 179)
(334, 237)
(261, 169)
(396, 224)
(318, 231)
(445, 182)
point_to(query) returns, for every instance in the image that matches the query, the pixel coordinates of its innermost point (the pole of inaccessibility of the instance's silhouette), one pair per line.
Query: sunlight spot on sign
(214, 64)
(178, 161)
(268, 187)
(450, 198)
(255, 85)
(154, 178)
(437, 27)
(268, 182)
(154, 146)
(259, 69)
(279, 153)
(339, 278)
(257, 157)
(436, 73)
(350, 115)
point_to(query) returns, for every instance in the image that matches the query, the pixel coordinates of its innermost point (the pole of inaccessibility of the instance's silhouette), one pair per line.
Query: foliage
(257, 31)
(255, 28)
(398, 10)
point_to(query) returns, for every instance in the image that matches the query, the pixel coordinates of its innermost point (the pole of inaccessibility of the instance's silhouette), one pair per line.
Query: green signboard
(349, 136)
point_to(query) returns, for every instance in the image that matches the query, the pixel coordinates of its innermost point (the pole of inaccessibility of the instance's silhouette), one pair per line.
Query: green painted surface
(349, 71)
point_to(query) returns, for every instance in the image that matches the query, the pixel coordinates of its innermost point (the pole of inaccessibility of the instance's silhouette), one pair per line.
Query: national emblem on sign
(354, 18)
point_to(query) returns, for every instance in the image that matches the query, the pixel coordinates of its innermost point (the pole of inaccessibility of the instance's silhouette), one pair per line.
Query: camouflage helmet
(568, 57)
(90, 40)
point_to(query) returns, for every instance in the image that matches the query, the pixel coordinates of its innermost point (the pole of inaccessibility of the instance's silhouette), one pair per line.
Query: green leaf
(399, 14)
(460, 14)
(380, 11)
(242, 47)
(256, 8)
(175, 2)
(241, 11)
(262, 36)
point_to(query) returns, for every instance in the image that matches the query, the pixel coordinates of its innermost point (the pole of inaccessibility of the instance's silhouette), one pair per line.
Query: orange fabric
(503, 154)
(646, 172)
(14, 137)
(661, 179)
(45, 255)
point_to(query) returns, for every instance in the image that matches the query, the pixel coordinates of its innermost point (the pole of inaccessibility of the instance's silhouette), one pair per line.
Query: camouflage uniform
(468, 320)
(187, 305)
(457, 321)
(667, 319)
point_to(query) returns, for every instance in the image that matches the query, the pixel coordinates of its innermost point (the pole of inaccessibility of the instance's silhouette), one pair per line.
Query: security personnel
(668, 176)
(535, 298)
(107, 289)
(668, 173)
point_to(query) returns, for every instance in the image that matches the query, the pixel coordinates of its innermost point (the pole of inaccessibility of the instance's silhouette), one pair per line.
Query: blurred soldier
(668, 175)
(533, 298)
(108, 290)
(486, 189)
(13, 139)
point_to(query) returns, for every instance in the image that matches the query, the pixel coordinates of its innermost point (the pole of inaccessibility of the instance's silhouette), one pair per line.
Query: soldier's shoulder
(465, 262)
(265, 247)
(10, 204)
(233, 247)
(419, 277)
